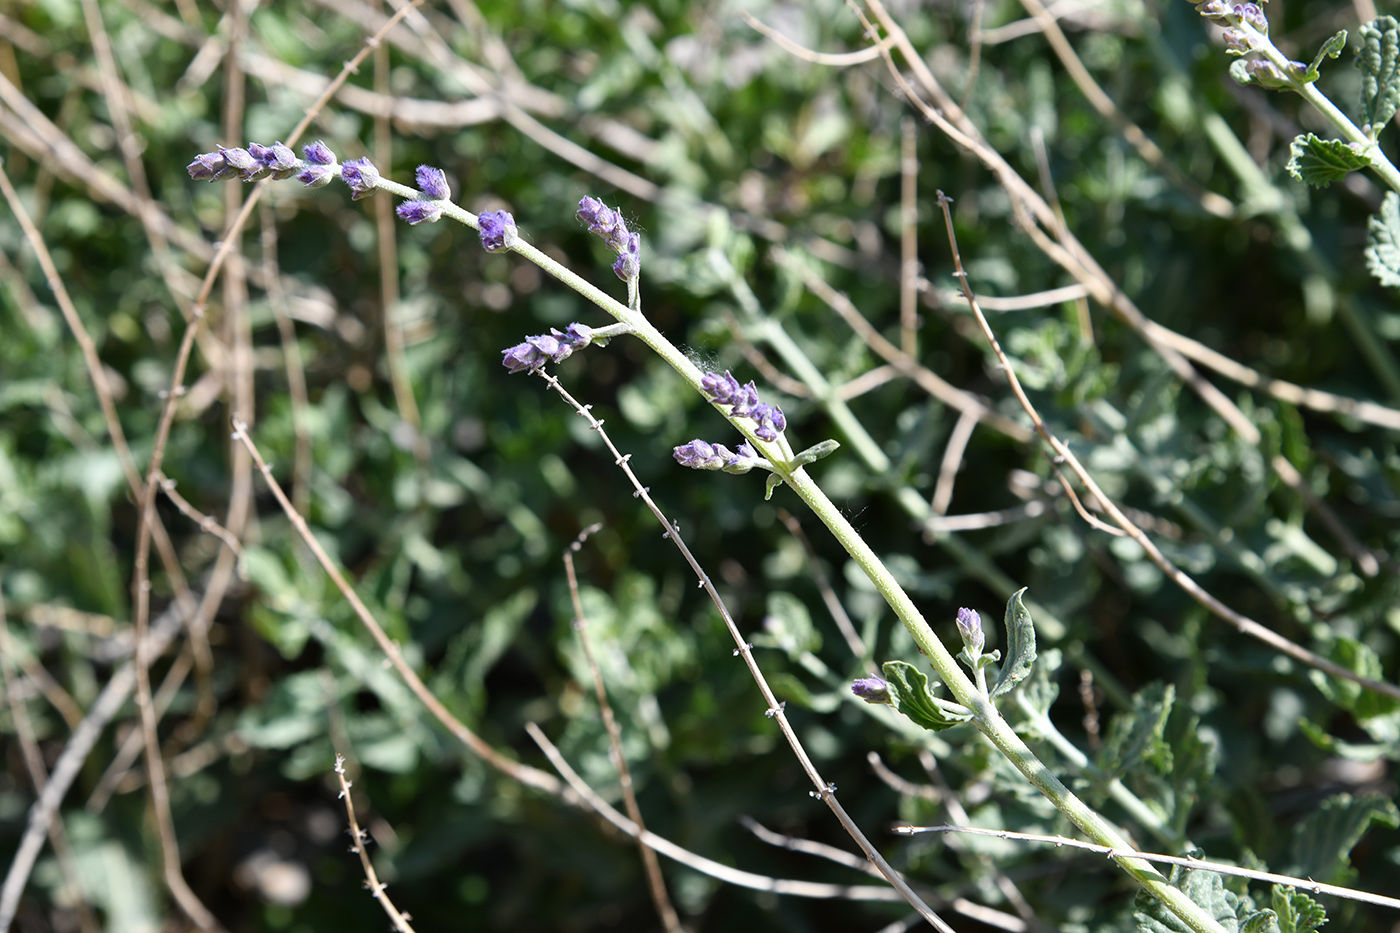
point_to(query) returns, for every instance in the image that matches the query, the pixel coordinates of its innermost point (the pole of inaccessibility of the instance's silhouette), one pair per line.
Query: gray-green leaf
(1020, 646)
(1297, 913)
(1379, 61)
(1383, 242)
(1319, 162)
(1323, 841)
(1209, 893)
(910, 695)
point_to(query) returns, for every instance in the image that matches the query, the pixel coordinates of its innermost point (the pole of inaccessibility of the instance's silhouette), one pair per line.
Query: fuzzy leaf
(1383, 242)
(1323, 841)
(1020, 646)
(1330, 49)
(1137, 734)
(1208, 891)
(1258, 922)
(1379, 61)
(1319, 162)
(910, 695)
(1297, 913)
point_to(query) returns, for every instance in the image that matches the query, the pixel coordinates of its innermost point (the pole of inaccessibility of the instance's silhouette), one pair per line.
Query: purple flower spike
(432, 182)
(419, 212)
(871, 689)
(361, 176)
(556, 346)
(970, 629)
(210, 166)
(319, 153)
(497, 231)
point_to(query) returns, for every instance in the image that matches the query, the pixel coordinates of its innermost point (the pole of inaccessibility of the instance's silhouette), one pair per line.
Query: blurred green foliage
(1236, 750)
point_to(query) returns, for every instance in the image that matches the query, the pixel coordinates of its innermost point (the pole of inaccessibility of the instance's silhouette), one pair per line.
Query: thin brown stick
(1240, 622)
(358, 846)
(655, 882)
(908, 239)
(1194, 864)
(951, 463)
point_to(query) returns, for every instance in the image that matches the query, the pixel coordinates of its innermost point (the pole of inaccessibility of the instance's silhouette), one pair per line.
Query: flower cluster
(1247, 30)
(702, 455)
(555, 346)
(608, 224)
(743, 403)
(432, 189)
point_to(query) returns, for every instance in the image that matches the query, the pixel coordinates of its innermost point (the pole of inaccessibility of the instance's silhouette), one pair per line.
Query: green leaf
(1319, 162)
(1207, 890)
(1258, 922)
(1137, 735)
(1361, 659)
(910, 695)
(1297, 913)
(1020, 646)
(1383, 242)
(1330, 49)
(1379, 61)
(816, 452)
(1323, 841)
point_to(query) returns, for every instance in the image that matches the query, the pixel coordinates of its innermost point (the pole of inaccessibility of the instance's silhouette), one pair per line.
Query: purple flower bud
(1252, 14)
(277, 159)
(576, 336)
(629, 263)
(970, 628)
(744, 401)
(526, 356)
(317, 176)
(419, 212)
(319, 153)
(608, 224)
(432, 182)
(1235, 41)
(771, 421)
(240, 159)
(1217, 11)
(871, 689)
(497, 231)
(700, 455)
(210, 166)
(720, 387)
(361, 176)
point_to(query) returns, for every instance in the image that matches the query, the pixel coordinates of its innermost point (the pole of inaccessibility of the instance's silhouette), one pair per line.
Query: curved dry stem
(1239, 621)
(655, 882)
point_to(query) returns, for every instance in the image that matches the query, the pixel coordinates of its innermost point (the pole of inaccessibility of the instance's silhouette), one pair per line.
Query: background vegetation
(448, 490)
